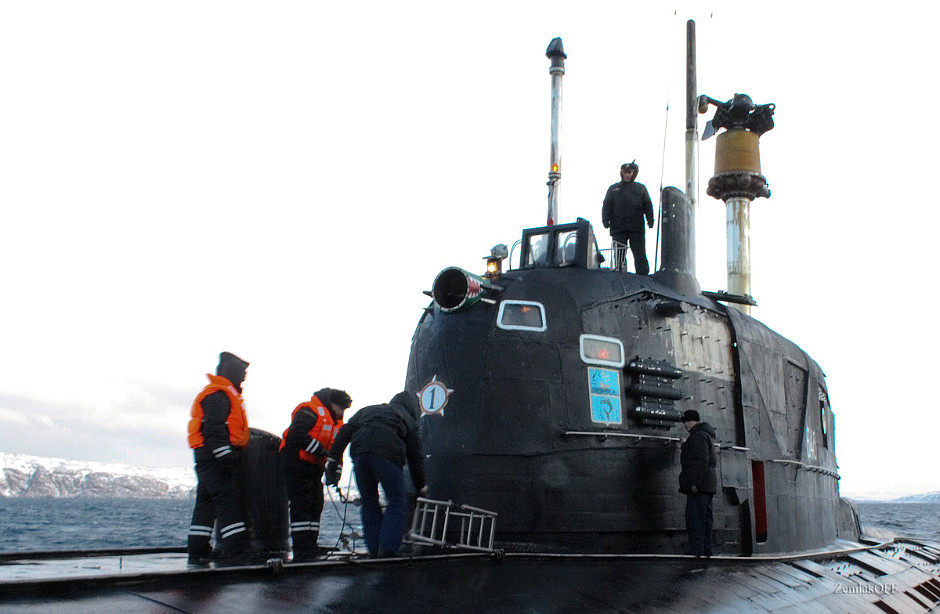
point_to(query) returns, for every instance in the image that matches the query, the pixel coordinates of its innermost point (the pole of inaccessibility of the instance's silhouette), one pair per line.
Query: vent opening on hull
(760, 501)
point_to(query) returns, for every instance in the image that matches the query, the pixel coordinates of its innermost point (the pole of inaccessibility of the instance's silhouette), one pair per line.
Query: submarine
(551, 388)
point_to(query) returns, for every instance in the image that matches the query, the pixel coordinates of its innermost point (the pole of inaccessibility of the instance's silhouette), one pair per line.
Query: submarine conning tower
(551, 393)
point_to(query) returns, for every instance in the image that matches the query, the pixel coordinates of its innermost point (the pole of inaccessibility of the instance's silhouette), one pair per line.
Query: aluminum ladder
(435, 523)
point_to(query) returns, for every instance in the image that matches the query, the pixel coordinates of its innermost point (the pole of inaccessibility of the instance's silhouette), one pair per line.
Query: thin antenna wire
(662, 166)
(662, 175)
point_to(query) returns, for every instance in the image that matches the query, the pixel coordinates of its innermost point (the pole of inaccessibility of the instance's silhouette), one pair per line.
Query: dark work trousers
(218, 498)
(384, 531)
(306, 504)
(698, 521)
(637, 243)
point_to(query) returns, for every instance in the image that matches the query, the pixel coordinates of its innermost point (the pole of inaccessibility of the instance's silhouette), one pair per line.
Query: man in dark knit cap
(698, 480)
(218, 435)
(304, 446)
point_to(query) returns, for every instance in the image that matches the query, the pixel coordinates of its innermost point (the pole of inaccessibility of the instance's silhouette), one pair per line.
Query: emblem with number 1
(433, 397)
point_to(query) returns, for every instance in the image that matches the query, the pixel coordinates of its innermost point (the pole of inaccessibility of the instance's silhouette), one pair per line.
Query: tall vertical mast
(738, 181)
(556, 54)
(691, 135)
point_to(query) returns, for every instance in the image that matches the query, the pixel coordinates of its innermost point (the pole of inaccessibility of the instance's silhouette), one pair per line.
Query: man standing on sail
(625, 206)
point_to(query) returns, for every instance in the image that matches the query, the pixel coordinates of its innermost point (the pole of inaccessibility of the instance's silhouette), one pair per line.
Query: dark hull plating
(518, 435)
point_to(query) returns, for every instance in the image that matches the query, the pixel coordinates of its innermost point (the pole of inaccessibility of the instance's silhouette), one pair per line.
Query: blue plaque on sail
(604, 387)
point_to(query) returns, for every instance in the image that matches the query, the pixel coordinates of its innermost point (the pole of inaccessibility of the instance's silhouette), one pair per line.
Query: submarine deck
(894, 576)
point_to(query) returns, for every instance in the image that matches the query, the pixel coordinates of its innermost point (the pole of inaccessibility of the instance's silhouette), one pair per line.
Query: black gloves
(332, 471)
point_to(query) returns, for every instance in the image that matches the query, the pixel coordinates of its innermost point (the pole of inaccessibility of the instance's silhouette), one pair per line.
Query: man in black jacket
(625, 205)
(382, 438)
(698, 480)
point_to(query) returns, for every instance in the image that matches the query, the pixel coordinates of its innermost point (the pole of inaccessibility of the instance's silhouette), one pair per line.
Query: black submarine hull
(895, 576)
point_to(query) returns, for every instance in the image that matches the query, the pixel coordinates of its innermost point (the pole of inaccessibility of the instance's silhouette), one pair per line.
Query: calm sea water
(34, 524)
(28, 524)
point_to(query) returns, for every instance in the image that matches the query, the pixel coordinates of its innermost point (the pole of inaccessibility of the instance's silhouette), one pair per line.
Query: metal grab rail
(615, 258)
(432, 525)
(805, 466)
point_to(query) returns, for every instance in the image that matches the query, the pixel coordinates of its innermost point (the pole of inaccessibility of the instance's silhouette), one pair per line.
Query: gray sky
(282, 180)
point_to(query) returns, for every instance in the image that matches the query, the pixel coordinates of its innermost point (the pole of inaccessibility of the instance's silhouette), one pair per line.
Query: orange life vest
(324, 431)
(237, 421)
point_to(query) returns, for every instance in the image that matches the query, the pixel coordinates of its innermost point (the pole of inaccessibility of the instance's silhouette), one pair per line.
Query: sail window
(521, 315)
(596, 350)
(566, 252)
(538, 249)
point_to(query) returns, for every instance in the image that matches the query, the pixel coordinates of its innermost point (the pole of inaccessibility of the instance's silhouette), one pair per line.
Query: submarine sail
(552, 393)
(565, 392)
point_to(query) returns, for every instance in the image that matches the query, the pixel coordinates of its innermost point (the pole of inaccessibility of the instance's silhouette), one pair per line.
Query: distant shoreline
(922, 498)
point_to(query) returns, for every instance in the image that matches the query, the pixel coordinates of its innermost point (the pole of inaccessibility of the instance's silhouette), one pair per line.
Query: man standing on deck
(383, 438)
(698, 480)
(218, 435)
(625, 206)
(304, 446)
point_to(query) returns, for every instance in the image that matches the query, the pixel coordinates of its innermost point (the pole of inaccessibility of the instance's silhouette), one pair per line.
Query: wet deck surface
(471, 584)
(32, 568)
(900, 579)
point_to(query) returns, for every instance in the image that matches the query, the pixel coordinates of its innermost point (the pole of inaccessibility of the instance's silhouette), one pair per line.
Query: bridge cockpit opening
(562, 245)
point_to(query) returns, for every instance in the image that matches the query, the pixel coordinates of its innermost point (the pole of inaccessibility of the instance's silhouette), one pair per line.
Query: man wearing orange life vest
(303, 454)
(218, 434)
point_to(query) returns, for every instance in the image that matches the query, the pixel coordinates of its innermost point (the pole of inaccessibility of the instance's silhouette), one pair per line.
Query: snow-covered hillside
(32, 476)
